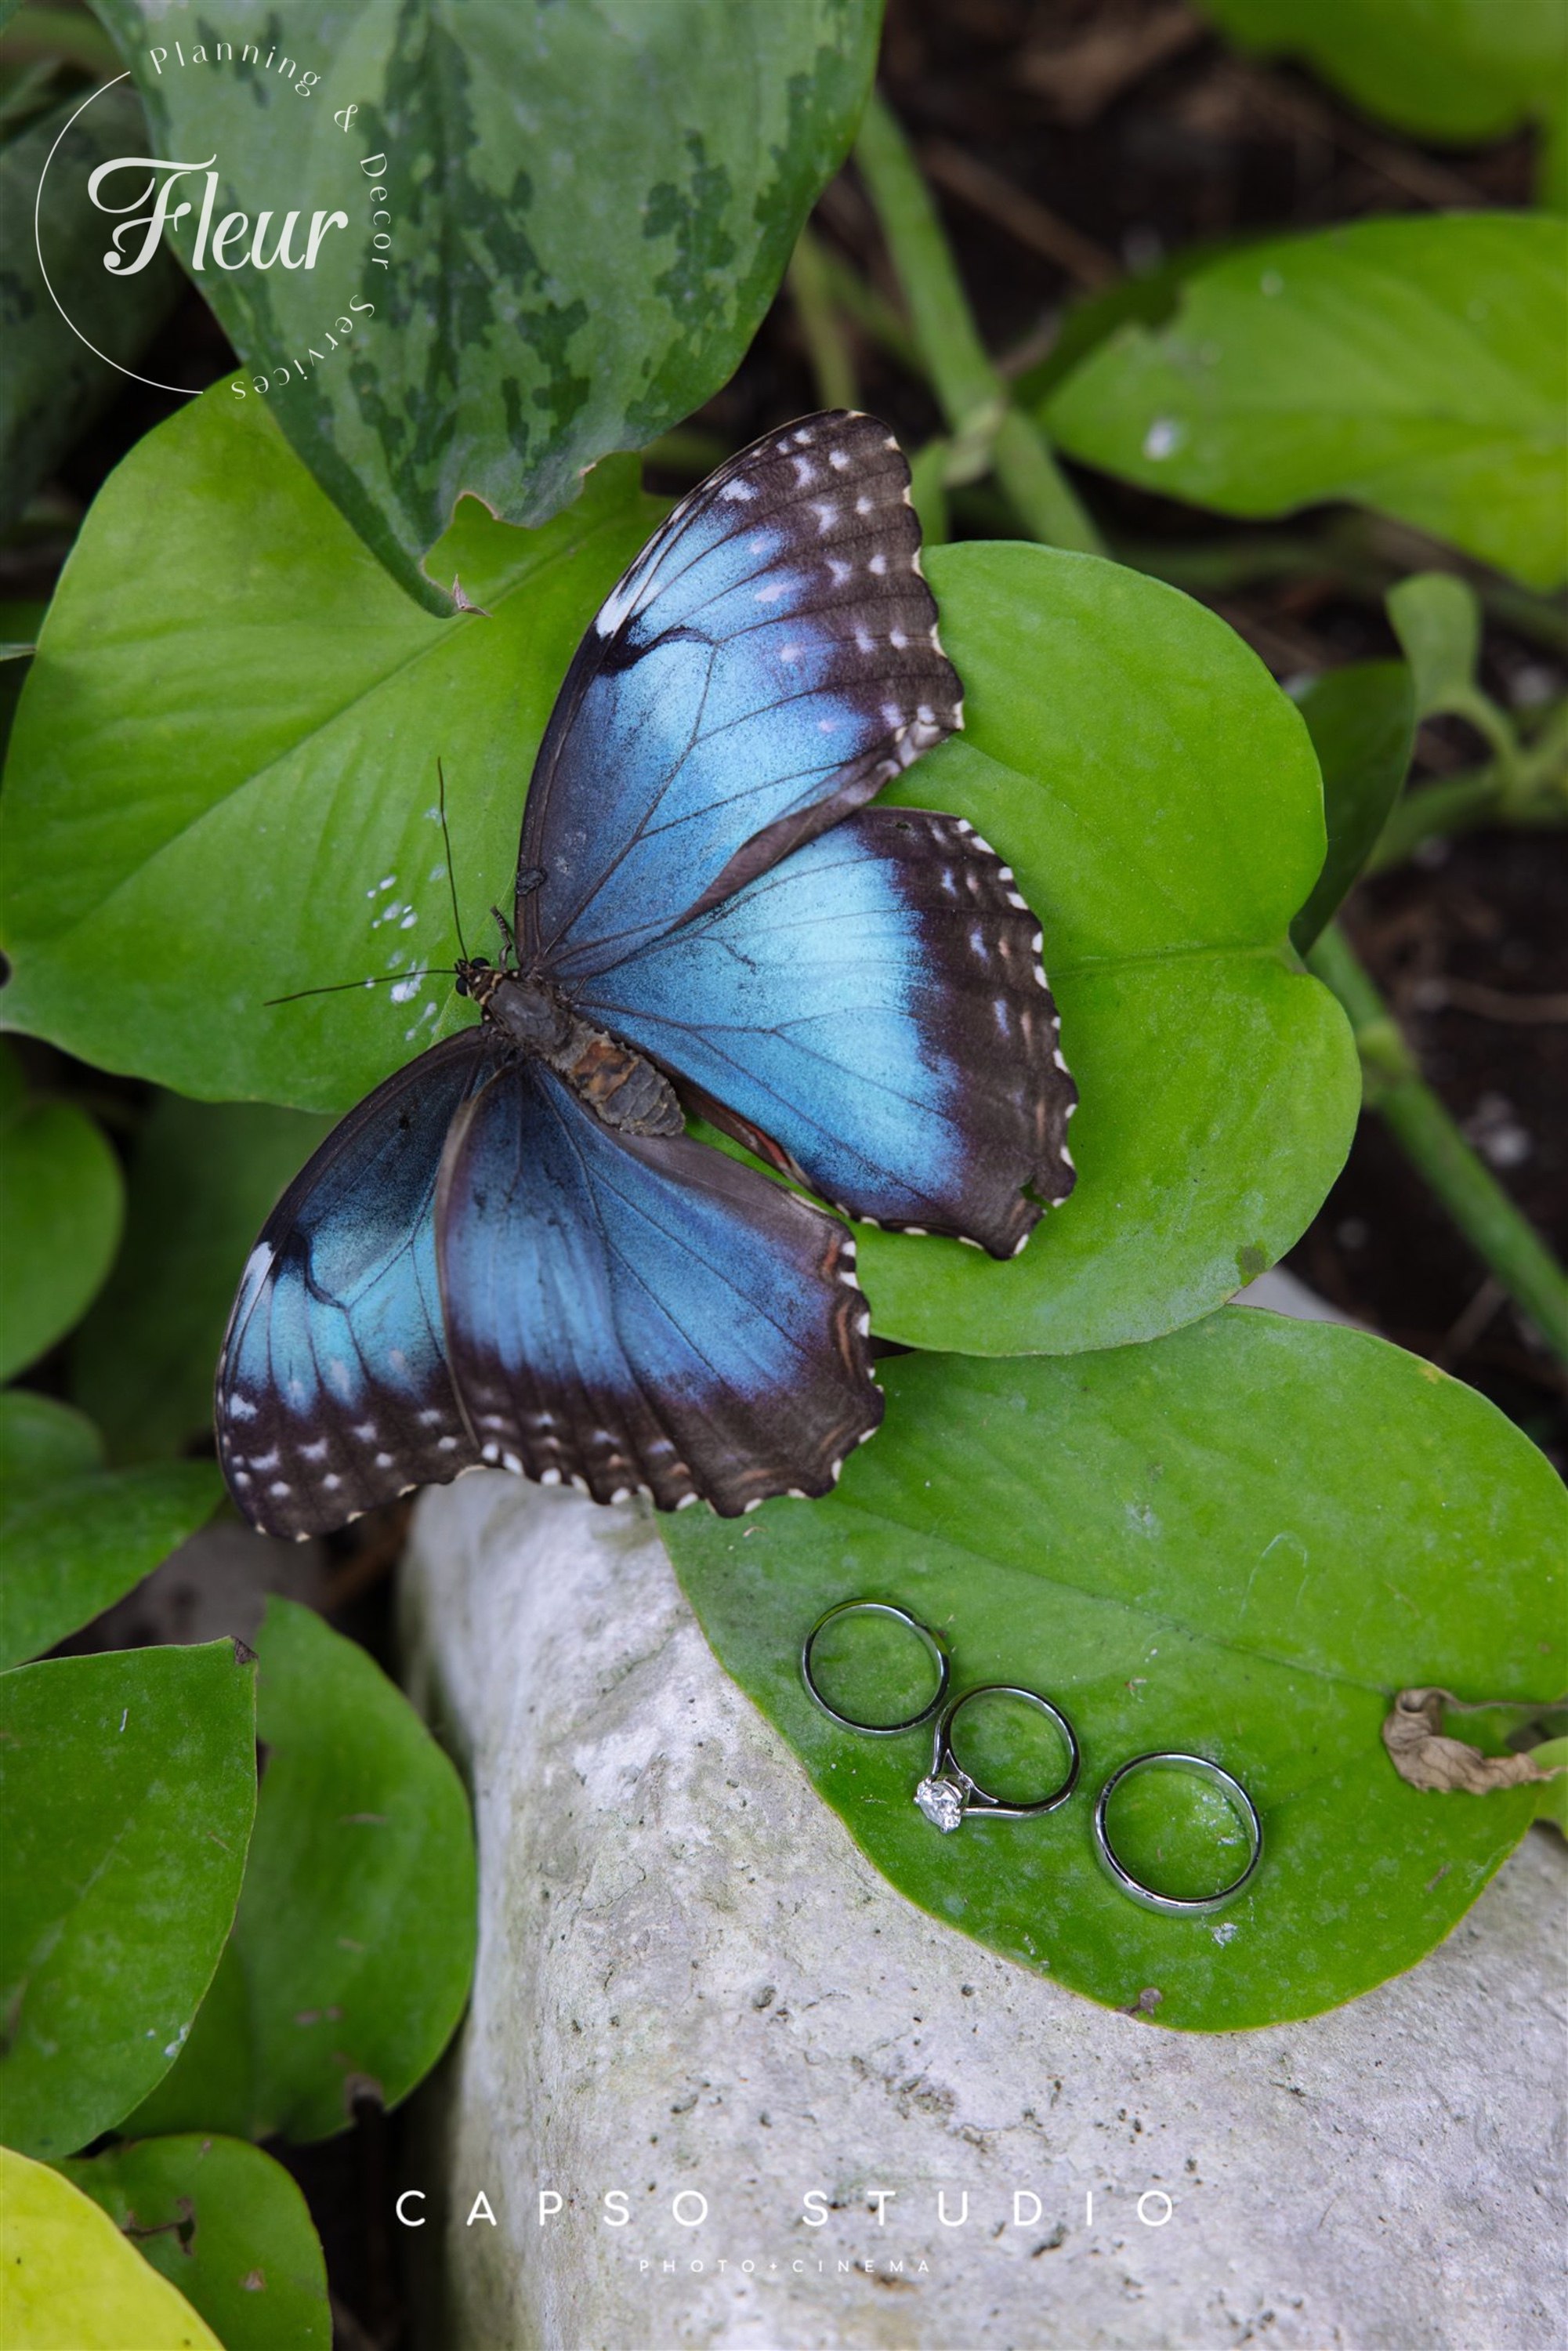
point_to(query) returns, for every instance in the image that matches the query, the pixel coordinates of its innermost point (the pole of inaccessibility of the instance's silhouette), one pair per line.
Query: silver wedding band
(1176, 1905)
(951, 1793)
(935, 1649)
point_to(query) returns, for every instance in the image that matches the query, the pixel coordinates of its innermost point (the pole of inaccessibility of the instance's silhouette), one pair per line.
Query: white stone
(690, 1983)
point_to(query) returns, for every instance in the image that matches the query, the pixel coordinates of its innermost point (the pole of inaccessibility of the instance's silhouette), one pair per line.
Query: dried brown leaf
(1422, 1754)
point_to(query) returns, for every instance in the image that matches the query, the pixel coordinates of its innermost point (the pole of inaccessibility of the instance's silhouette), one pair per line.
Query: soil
(1132, 131)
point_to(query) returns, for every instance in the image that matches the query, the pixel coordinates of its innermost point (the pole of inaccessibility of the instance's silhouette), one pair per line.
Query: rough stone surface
(690, 1979)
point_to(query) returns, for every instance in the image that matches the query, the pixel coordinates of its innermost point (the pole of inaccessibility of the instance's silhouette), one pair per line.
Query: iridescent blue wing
(333, 1391)
(766, 663)
(628, 1312)
(873, 1016)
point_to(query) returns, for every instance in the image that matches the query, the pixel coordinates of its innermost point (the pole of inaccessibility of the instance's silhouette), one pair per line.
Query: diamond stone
(942, 1803)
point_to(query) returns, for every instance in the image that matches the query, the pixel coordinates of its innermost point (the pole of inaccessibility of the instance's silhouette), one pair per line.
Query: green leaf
(1362, 720)
(53, 385)
(43, 1444)
(1161, 808)
(1418, 367)
(74, 1538)
(354, 1943)
(1445, 69)
(228, 744)
(1238, 1541)
(1551, 1799)
(70, 2281)
(128, 1785)
(61, 1204)
(226, 2224)
(1149, 296)
(202, 1179)
(590, 210)
(1438, 621)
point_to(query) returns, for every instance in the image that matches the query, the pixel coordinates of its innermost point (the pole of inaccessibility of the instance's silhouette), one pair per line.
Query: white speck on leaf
(1164, 438)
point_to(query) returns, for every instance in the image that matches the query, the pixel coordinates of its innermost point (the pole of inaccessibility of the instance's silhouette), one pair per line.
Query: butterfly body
(511, 1252)
(618, 1083)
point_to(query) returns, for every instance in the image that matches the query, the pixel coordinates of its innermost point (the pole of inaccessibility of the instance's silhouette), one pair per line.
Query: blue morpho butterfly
(511, 1252)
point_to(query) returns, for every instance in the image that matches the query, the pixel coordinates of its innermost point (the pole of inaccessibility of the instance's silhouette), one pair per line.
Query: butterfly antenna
(451, 877)
(337, 987)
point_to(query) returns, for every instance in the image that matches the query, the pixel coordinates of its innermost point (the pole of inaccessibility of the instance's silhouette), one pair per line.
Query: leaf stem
(1530, 790)
(972, 394)
(832, 361)
(1505, 1240)
(870, 311)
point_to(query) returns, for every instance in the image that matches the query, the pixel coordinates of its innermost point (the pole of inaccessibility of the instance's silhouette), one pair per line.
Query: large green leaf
(75, 1538)
(1237, 1540)
(1458, 70)
(222, 782)
(354, 1944)
(61, 1203)
(226, 2224)
(1416, 366)
(586, 209)
(1157, 797)
(128, 1785)
(53, 383)
(1160, 804)
(202, 1178)
(70, 2281)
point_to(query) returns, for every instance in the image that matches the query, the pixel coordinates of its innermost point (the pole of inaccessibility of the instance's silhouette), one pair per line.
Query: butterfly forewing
(767, 664)
(332, 1387)
(641, 1313)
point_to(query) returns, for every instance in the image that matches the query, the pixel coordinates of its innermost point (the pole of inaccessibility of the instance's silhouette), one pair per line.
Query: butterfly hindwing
(876, 1008)
(631, 1313)
(768, 661)
(333, 1392)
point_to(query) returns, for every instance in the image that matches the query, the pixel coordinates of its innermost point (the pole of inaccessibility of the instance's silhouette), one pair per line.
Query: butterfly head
(477, 976)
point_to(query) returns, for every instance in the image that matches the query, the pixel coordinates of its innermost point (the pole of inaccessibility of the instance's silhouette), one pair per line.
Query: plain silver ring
(950, 1792)
(936, 1648)
(1177, 1905)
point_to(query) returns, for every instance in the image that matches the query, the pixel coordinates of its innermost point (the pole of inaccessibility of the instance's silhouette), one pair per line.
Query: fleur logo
(228, 238)
(104, 196)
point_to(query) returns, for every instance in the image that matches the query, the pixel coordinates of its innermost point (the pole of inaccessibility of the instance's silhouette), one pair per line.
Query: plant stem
(1505, 1241)
(1350, 550)
(832, 361)
(873, 314)
(971, 393)
(687, 449)
(1045, 501)
(1530, 793)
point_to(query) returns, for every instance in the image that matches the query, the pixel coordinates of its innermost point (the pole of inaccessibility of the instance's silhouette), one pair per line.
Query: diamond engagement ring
(949, 1792)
